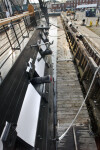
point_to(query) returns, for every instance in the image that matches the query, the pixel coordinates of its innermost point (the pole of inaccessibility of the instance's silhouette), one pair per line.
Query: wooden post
(85, 72)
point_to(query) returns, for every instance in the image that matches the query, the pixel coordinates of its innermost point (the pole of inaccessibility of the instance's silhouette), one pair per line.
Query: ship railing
(13, 31)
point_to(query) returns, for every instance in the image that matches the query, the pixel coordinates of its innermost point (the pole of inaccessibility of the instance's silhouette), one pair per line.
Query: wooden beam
(14, 18)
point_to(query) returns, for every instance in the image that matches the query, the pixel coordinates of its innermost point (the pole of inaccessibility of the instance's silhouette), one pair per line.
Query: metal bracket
(17, 48)
(25, 37)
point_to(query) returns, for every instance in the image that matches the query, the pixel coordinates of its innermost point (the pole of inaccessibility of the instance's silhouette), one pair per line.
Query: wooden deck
(69, 100)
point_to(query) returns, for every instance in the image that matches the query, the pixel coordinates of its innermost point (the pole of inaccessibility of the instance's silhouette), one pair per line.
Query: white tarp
(87, 6)
(39, 65)
(28, 118)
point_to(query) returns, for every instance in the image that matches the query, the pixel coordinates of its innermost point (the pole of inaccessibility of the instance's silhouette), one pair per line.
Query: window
(54, 5)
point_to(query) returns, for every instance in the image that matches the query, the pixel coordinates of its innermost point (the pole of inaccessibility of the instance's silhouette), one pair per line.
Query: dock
(69, 100)
(46, 71)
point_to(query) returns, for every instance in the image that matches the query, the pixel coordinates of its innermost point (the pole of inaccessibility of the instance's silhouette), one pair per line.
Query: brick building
(57, 6)
(74, 3)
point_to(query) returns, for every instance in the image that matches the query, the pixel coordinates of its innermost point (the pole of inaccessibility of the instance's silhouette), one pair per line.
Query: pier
(69, 100)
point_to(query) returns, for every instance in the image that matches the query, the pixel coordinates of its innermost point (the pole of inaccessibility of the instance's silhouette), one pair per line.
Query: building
(75, 3)
(68, 4)
(58, 6)
(49, 5)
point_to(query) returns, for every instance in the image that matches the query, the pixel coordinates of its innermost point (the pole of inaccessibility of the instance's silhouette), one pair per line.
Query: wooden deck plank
(69, 100)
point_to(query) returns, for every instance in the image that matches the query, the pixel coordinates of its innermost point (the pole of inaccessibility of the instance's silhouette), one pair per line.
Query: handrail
(14, 18)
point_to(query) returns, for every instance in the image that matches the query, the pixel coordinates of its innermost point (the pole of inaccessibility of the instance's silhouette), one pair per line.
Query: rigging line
(63, 135)
(54, 25)
(56, 36)
(19, 6)
(14, 5)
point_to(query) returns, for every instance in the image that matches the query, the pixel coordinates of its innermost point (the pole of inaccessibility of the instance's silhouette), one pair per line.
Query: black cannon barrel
(46, 52)
(41, 80)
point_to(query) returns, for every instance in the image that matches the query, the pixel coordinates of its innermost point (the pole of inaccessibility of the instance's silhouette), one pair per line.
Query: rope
(53, 25)
(63, 135)
(57, 36)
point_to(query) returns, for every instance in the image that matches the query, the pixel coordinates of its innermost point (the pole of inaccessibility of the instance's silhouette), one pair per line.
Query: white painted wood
(28, 69)
(28, 118)
(40, 66)
(43, 45)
